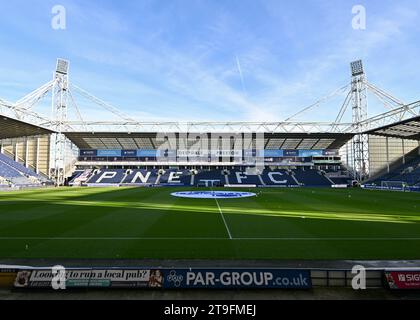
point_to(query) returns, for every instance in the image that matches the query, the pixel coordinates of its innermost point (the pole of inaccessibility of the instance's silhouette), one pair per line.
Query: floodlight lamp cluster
(356, 68)
(62, 66)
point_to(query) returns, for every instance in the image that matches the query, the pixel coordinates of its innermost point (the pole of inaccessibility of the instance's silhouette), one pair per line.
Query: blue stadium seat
(241, 177)
(277, 178)
(141, 176)
(209, 177)
(311, 178)
(107, 176)
(17, 173)
(176, 177)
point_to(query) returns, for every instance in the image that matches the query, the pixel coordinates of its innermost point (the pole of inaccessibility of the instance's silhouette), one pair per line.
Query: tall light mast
(360, 143)
(59, 108)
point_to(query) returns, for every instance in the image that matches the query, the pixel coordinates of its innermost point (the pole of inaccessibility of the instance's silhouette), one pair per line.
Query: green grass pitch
(143, 223)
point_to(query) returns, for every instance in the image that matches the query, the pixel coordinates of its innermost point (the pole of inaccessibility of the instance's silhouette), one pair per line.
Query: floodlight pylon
(59, 111)
(359, 102)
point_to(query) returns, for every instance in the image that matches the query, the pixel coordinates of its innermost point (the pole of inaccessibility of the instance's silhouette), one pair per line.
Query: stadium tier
(311, 178)
(285, 168)
(407, 175)
(15, 174)
(178, 167)
(205, 178)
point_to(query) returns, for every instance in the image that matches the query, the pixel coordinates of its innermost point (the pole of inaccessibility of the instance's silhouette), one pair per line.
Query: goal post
(395, 185)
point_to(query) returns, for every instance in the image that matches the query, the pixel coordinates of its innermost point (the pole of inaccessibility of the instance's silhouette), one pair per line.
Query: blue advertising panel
(88, 153)
(147, 153)
(291, 153)
(310, 153)
(109, 153)
(237, 278)
(330, 152)
(271, 153)
(129, 153)
(108, 277)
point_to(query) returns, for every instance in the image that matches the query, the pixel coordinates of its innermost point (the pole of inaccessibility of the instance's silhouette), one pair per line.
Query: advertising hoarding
(166, 278)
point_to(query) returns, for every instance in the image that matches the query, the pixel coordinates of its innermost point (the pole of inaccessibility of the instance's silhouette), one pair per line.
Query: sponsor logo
(213, 194)
(403, 279)
(245, 278)
(175, 279)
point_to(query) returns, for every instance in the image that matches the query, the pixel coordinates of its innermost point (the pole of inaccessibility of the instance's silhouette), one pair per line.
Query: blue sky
(211, 60)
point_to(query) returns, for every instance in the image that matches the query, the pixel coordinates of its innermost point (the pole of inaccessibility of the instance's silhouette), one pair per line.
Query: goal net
(395, 185)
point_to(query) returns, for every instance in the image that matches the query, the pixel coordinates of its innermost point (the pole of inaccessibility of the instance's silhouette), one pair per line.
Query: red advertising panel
(403, 279)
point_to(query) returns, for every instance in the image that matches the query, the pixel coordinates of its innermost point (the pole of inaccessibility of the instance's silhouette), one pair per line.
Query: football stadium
(209, 194)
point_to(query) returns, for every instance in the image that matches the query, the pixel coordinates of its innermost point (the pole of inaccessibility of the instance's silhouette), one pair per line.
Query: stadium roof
(406, 129)
(128, 141)
(12, 128)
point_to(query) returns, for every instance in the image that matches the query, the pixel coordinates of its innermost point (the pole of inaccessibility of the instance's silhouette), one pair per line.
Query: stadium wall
(384, 151)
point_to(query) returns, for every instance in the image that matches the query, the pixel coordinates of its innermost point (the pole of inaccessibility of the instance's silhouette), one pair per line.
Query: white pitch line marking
(209, 238)
(224, 221)
(328, 239)
(109, 238)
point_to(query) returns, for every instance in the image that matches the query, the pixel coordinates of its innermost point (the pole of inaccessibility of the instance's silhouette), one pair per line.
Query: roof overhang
(12, 128)
(148, 140)
(406, 129)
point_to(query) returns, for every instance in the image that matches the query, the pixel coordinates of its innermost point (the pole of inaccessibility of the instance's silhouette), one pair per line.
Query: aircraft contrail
(240, 73)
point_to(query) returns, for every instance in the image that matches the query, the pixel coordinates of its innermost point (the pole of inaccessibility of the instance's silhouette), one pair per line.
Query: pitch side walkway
(305, 264)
